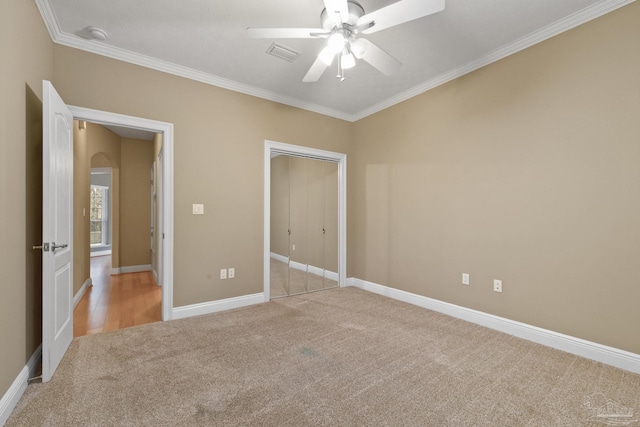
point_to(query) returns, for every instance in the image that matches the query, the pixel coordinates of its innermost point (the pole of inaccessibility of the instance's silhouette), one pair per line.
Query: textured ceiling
(207, 40)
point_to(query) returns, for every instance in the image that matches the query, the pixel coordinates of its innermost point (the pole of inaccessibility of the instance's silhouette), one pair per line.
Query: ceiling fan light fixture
(336, 42)
(357, 47)
(347, 60)
(344, 23)
(326, 55)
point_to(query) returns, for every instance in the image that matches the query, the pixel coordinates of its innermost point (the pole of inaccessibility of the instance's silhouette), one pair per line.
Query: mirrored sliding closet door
(304, 225)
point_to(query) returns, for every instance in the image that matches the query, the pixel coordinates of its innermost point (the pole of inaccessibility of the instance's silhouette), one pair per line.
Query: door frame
(273, 147)
(159, 222)
(166, 210)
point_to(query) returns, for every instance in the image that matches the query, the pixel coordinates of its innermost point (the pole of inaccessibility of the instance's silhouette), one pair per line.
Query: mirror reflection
(304, 225)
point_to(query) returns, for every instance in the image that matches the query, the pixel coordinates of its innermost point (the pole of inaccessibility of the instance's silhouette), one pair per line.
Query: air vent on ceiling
(282, 52)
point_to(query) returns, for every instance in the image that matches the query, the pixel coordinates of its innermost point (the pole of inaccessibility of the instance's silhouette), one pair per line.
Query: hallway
(116, 302)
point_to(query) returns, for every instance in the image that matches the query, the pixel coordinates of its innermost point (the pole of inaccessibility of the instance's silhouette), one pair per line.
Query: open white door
(57, 230)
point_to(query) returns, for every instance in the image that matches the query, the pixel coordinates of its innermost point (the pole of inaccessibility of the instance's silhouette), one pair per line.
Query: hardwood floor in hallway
(116, 302)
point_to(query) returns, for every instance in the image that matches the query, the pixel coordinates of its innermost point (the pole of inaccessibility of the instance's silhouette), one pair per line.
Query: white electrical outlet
(497, 285)
(232, 273)
(223, 273)
(465, 278)
(198, 209)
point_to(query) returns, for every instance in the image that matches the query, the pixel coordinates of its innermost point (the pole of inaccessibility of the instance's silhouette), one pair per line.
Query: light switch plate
(198, 209)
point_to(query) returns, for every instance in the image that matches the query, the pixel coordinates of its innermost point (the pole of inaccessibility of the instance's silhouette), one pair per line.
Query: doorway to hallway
(116, 302)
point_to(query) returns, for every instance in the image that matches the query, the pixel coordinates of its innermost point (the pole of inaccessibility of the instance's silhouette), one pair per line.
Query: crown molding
(558, 27)
(124, 55)
(598, 9)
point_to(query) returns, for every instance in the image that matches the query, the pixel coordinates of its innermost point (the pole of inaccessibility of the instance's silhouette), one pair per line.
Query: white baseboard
(609, 355)
(131, 269)
(83, 289)
(13, 395)
(303, 267)
(19, 385)
(100, 253)
(216, 306)
(279, 257)
(331, 275)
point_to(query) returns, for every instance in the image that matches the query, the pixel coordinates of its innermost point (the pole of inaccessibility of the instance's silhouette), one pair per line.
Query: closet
(304, 225)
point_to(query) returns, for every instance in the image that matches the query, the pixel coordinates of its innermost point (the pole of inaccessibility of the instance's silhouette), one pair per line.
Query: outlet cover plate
(198, 209)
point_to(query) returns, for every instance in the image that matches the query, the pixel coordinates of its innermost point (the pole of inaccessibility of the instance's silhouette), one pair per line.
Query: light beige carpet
(341, 357)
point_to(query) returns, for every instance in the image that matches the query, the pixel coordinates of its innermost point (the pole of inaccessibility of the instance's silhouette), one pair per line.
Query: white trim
(102, 171)
(271, 147)
(120, 54)
(107, 118)
(279, 257)
(81, 291)
(331, 275)
(100, 253)
(216, 306)
(13, 395)
(551, 30)
(19, 385)
(131, 269)
(609, 355)
(585, 15)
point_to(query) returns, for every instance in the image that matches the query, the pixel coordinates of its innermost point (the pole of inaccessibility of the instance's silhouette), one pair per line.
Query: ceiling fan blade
(338, 6)
(284, 33)
(316, 70)
(377, 57)
(399, 13)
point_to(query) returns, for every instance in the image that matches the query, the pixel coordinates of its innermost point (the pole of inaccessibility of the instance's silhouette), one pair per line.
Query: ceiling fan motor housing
(331, 20)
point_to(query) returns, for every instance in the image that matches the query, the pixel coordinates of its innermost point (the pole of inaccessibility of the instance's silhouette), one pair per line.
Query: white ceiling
(206, 40)
(133, 133)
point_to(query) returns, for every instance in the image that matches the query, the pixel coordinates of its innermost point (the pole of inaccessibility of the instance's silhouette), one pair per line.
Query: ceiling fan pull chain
(340, 75)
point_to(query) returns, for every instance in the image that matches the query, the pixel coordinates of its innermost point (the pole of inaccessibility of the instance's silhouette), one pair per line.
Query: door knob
(44, 247)
(54, 246)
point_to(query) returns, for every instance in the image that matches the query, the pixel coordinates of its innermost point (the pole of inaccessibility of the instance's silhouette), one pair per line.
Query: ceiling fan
(343, 24)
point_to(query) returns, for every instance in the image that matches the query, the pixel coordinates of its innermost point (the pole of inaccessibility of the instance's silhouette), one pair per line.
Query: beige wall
(93, 147)
(130, 160)
(26, 55)
(304, 199)
(104, 150)
(298, 209)
(525, 171)
(279, 233)
(331, 190)
(157, 148)
(81, 184)
(135, 202)
(219, 149)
